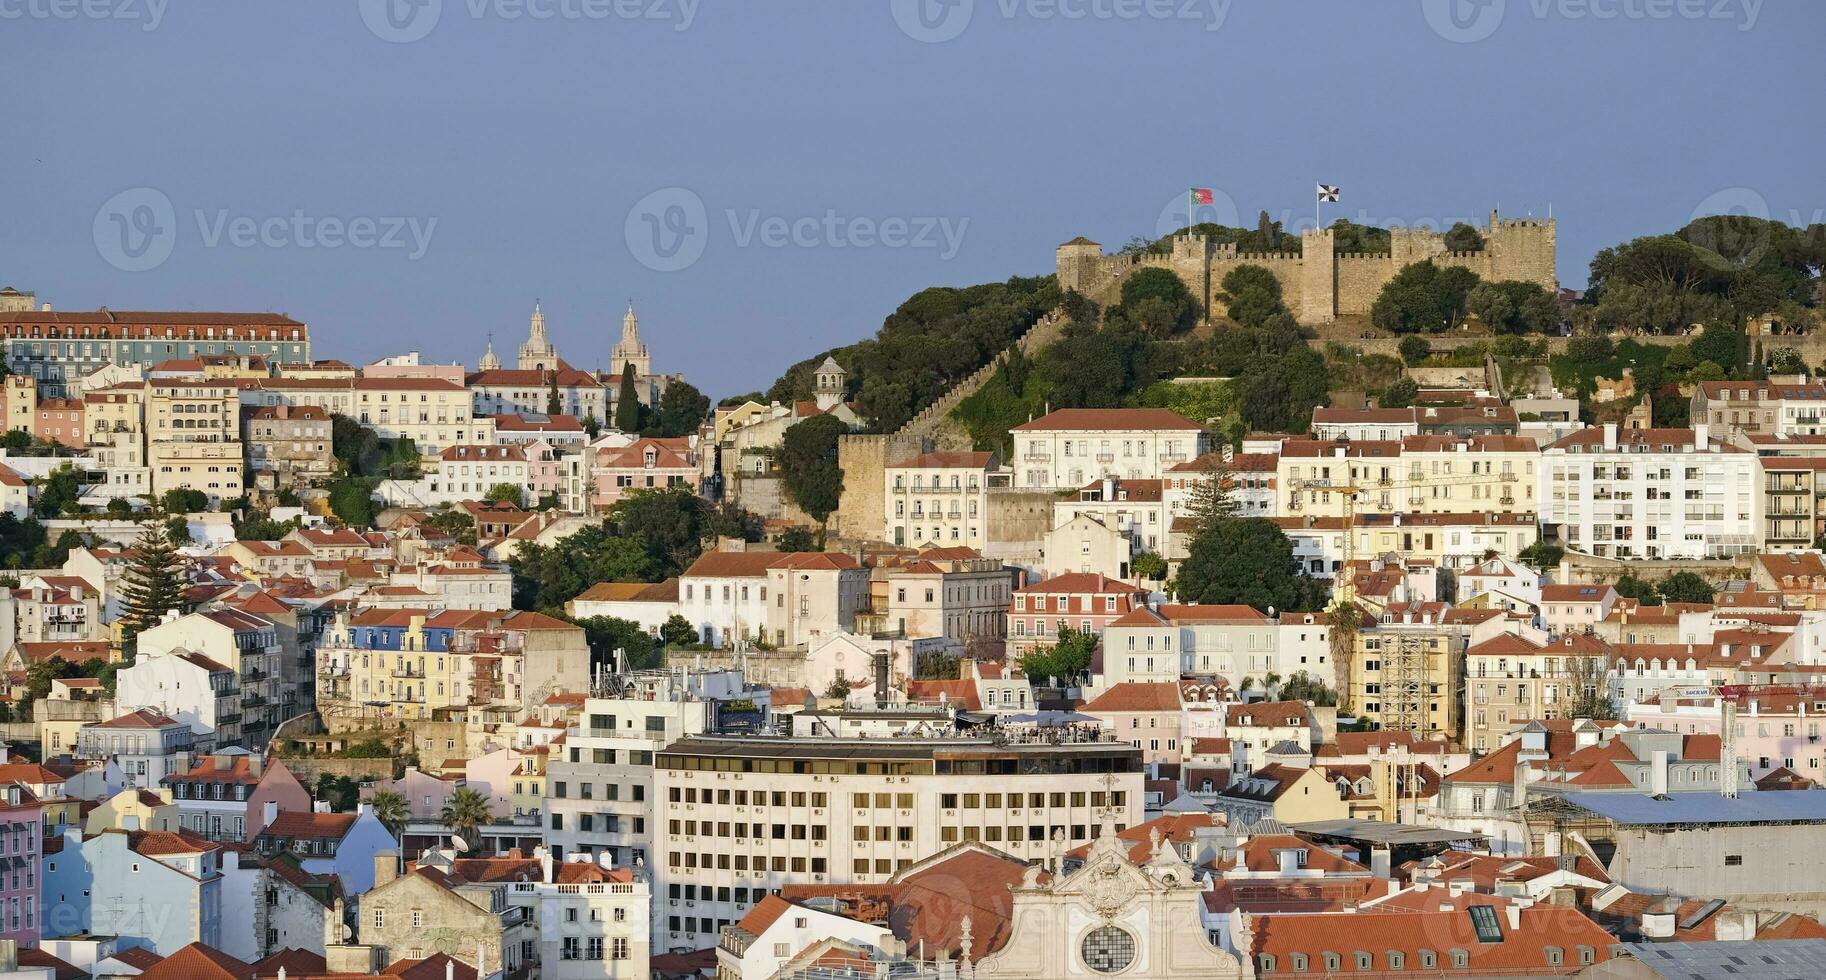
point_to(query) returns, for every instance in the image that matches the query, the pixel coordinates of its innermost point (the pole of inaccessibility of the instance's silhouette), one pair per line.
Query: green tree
(670, 524)
(808, 465)
(1251, 295)
(391, 810)
(545, 577)
(465, 813)
(505, 493)
(457, 524)
(352, 502)
(154, 582)
(1462, 237)
(1631, 587)
(183, 500)
(1686, 587)
(1414, 349)
(627, 402)
(678, 631)
(839, 687)
(60, 492)
(607, 634)
(1401, 394)
(1065, 659)
(682, 409)
(1590, 690)
(1246, 560)
(1513, 307)
(1149, 566)
(1158, 298)
(1305, 687)
(592, 426)
(1211, 500)
(1541, 555)
(1423, 298)
(797, 538)
(554, 401)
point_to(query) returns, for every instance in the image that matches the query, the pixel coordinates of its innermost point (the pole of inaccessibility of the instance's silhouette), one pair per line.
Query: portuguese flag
(1200, 195)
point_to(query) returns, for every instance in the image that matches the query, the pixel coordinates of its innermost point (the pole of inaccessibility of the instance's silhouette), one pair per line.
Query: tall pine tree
(554, 403)
(154, 583)
(627, 402)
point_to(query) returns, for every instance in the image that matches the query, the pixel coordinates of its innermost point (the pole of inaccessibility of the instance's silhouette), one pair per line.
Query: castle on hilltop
(1318, 283)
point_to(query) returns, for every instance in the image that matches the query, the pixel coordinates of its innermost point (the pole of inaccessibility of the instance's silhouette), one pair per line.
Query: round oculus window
(1108, 949)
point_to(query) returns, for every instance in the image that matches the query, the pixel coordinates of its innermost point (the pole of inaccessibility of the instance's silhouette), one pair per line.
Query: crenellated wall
(1320, 284)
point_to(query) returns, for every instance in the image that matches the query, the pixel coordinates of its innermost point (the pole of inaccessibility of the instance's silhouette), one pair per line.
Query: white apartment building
(1168, 642)
(599, 782)
(1651, 493)
(469, 472)
(1133, 508)
(1071, 447)
(591, 922)
(725, 595)
(939, 498)
(738, 817)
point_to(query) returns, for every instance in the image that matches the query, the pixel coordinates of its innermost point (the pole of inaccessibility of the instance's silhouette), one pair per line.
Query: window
(1108, 949)
(1734, 860)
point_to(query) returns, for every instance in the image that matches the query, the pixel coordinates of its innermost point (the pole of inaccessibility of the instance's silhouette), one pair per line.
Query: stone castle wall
(1320, 284)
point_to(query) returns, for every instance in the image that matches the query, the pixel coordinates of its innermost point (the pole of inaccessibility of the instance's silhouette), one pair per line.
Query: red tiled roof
(1125, 419)
(1135, 696)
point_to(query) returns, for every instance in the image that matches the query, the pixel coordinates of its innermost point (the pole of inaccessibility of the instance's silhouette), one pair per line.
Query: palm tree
(466, 811)
(390, 809)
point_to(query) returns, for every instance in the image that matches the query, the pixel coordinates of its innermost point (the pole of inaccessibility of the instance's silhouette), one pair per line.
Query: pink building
(60, 420)
(21, 830)
(644, 464)
(1081, 600)
(1776, 726)
(425, 793)
(1143, 714)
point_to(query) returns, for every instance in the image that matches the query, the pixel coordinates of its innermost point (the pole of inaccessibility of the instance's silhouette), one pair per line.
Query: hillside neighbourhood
(1352, 602)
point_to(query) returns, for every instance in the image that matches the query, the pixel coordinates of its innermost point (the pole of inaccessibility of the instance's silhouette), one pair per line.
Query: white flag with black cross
(1328, 193)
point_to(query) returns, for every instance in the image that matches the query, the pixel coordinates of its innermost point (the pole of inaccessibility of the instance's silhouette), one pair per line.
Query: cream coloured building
(1511, 679)
(116, 421)
(1071, 447)
(938, 498)
(740, 816)
(193, 430)
(1414, 475)
(434, 413)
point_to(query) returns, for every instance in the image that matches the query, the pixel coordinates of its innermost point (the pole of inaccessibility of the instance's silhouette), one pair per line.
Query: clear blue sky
(529, 141)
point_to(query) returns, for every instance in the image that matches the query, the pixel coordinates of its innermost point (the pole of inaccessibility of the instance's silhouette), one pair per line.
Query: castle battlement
(1320, 283)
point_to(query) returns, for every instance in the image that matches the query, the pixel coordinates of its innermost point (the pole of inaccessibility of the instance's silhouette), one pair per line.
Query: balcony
(1106, 457)
(409, 672)
(1036, 457)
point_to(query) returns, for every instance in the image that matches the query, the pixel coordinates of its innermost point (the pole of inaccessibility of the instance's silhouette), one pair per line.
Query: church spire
(630, 350)
(489, 361)
(537, 354)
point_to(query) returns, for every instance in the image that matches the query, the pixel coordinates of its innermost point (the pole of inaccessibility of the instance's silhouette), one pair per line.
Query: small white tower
(538, 354)
(489, 361)
(828, 387)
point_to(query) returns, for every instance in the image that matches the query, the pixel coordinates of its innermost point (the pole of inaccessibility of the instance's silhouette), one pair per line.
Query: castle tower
(1318, 277)
(489, 361)
(828, 388)
(629, 350)
(538, 354)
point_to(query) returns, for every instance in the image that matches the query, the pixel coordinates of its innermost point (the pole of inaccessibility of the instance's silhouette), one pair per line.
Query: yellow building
(1413, 475)
(193, 429)
(1407, 669)
(147, 809)
(1510, 679)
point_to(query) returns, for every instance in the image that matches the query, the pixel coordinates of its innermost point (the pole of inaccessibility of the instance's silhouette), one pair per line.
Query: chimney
(1727, 737)
(255, 765)
(1658, 762)
(269, 812)
(545, 863)
(386, 867)
(1610, 436)
(1379, 862)
(1515, 916)
(9, 955)
(1701, 437)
